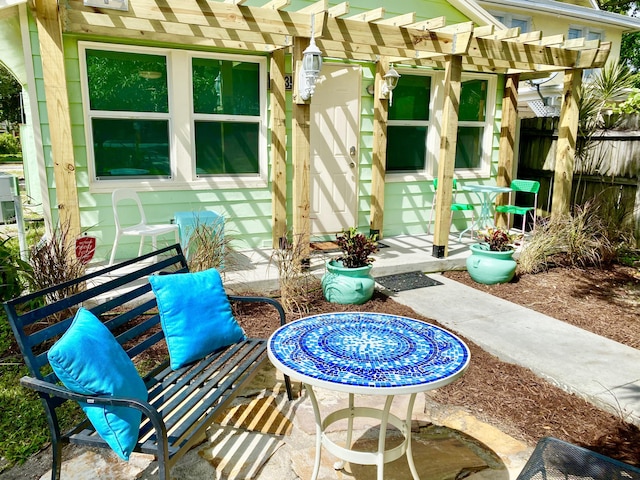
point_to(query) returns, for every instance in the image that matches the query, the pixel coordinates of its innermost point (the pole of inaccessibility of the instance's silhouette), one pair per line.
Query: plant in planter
(498, 239)
(491, 260)
(348, 278)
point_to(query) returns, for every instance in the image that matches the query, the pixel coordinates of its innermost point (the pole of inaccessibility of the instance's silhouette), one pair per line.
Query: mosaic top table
(367, 353)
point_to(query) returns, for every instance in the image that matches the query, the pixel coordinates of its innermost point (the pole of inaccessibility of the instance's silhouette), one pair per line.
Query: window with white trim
(128, 114)
(413, 143)
(472, 123)
(143, 123)
(586, 32)
(512, 20)
(408, 124)
(226, 112)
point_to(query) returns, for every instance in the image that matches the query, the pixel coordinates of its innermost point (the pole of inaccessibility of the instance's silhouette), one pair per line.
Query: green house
(205, 106)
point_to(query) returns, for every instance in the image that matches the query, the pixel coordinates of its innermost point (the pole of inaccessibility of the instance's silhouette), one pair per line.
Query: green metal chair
(530, 187)
(455, 207)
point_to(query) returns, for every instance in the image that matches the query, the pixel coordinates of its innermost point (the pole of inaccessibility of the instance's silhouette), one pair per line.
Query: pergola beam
(369, 16)
(447, 155)
(59, 115)
(235, 26)
(431, 24)
(339, 10)
(379, 153)
(399, 20)
(566, 146)
(277, 4)
(319, 6)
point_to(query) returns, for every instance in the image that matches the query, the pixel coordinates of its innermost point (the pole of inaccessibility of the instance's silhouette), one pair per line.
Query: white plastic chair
(140, 229)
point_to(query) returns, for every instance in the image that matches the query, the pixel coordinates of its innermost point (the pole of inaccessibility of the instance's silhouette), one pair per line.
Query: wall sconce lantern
(310, 71)
(389, 82)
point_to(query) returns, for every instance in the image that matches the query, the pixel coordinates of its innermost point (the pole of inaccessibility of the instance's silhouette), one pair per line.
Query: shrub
(16, 275)
(209, 247)
(9, 144)
(297, 284)
(54, 261)
(577, 240)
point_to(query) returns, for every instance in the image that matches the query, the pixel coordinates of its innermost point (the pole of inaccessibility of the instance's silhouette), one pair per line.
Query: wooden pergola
(368, 37)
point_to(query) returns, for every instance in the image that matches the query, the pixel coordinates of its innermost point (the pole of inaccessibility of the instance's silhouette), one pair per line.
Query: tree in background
(630, 47)
(9, 99)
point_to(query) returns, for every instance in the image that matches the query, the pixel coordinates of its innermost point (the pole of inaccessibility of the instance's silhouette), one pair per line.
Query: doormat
(331, 246)
(406, 281)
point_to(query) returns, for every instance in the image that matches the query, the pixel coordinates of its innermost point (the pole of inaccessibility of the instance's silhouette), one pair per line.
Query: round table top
(363, 352)
(472, 187)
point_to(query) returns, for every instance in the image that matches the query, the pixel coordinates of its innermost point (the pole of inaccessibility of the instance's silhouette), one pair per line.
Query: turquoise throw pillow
(195, 314)
(89, 360)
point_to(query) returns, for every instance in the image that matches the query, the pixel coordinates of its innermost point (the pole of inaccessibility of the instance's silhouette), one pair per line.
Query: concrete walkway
(600, 370)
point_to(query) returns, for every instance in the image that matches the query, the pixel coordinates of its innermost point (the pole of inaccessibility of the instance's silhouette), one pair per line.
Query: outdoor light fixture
(310, 71)
(389, 82)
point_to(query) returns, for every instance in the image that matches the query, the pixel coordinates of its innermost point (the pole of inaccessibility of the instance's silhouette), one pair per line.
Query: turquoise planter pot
(489, 267)
(347, 286)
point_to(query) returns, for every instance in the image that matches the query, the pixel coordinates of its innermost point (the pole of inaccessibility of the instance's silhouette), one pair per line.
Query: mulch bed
(510, 397)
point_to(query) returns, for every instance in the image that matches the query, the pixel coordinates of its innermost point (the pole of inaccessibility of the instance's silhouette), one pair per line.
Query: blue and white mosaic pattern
(369, 350)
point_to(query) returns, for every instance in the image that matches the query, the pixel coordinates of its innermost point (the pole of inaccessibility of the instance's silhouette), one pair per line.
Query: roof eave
(572, 11)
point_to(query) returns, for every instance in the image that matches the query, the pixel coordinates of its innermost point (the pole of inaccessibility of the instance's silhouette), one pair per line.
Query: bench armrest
(61, 391)
(271, 301)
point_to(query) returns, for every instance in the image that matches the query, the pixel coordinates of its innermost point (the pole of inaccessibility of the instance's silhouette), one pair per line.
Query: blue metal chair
(530, 187)
(455, 206)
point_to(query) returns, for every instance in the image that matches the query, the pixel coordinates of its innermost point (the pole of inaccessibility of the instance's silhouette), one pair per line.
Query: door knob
(352, 151)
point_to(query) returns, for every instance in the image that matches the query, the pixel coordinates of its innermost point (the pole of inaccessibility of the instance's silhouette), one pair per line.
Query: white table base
(379, 457)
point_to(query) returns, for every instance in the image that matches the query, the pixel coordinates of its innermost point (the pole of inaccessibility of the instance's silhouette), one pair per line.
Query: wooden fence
(609, 173)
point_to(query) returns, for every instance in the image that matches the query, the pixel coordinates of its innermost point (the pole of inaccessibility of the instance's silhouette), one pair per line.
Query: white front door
(334, 137)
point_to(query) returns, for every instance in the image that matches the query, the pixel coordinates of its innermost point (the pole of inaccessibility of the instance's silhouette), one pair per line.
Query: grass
(11, 158)
(22, 419)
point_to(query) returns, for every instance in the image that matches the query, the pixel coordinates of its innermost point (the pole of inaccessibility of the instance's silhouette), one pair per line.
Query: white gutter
(571, 11)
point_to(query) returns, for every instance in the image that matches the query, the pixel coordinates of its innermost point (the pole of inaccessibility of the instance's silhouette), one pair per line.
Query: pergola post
(278, 150)
(301, 150)
(55, 89)
(379, 166)
(567, 138)
(506, 153)
(447, 157)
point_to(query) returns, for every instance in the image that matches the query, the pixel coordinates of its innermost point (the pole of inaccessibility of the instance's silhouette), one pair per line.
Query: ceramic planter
(489, 267)
(343, 285)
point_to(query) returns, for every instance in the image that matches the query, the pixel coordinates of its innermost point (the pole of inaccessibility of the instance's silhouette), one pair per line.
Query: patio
(266, 437)
(255, 270)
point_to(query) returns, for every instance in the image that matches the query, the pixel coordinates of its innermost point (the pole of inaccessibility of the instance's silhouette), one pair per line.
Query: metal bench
(183, 403)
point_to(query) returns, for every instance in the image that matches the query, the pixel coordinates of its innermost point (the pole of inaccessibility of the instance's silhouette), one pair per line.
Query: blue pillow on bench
(195, 314)
(89, 360)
